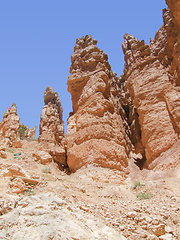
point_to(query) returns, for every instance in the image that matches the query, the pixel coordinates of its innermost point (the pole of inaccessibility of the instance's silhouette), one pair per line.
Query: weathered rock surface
(47, 217)
(3, 154)
(96, 131)
(154, 88)
(9, 125)
(17, 143)
(51, 128)
(174, 6)
(17, 185)
(43, 157)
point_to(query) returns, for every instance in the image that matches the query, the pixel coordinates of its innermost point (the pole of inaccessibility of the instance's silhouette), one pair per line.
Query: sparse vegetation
(144, 195)
(30, 192)
(17, 156)
(22, 131)
(46, 169)
(136, 184)
(10, 150)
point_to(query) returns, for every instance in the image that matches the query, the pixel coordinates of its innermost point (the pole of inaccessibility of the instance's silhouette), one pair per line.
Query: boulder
(3, 154)
(17, 143)
(16, 170)
(43, 157)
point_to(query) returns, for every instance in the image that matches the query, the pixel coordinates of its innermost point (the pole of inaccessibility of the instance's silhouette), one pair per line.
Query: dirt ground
(143, 205)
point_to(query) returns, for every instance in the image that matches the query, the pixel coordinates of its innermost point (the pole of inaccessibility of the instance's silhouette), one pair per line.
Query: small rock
(43, 157)
(166, 236)
(148, 219)
(155, 221)
(168, 229)
(17, 185)
(121, 228)
(158, 230)
(17, 170)
(2, 147)
(143, 235)
(131, 214)
(84, 208)
(152, 237)
(3, 154)
(17, 143)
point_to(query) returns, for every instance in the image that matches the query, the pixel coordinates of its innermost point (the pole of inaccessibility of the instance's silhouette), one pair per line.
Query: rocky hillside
(115, 175)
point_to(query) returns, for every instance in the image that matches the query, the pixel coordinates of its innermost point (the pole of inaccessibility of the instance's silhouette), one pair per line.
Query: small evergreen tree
(21, 131)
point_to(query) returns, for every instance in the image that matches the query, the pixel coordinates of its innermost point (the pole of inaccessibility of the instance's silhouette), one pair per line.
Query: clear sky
(37, 40)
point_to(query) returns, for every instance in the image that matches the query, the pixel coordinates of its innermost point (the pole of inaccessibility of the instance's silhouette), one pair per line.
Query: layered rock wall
(96, 131)
(154, 87)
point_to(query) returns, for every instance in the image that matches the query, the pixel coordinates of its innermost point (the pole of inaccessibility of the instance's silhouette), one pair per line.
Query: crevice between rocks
(174, 124)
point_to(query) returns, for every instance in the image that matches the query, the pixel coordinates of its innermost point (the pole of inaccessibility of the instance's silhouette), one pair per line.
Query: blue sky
(37, 40)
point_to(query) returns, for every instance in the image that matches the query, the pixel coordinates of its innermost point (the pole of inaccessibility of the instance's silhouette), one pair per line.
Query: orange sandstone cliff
(137, 113)
(151, 76)
(96, 131)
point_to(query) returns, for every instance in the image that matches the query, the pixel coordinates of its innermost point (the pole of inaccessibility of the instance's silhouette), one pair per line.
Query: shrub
(17, 154)
(30, 192)
(46, 169)
(144, 196)
(136, 184)
(22, 131)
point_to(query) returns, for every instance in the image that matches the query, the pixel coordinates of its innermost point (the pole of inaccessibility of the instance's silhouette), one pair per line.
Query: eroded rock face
(166, 48)
(96, 131)
(153, 87)
(51, 128)
(10, 124)
(174, 5)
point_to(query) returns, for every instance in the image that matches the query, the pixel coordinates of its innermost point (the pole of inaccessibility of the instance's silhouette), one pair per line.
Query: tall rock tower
(51, 128)
(96, 131)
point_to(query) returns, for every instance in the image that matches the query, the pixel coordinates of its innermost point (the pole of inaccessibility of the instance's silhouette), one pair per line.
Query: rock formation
(97, 128)
(9, 125)
(29, 132)
(138, 112)
(174, 6)
(152, 78)
(51, 128)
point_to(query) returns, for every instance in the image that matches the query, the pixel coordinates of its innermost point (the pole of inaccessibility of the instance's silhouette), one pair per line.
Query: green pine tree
(21, 131)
